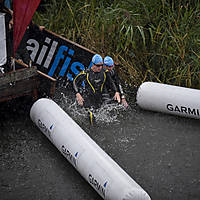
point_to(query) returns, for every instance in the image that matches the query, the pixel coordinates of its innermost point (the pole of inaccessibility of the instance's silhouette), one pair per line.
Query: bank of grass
(153, 40)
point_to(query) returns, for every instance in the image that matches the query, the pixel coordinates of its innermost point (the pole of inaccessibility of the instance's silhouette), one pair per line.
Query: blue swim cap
(108, 61)
(96, 59)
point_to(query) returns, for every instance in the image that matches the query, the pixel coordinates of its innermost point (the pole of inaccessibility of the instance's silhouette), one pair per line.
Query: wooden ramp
(25, 81)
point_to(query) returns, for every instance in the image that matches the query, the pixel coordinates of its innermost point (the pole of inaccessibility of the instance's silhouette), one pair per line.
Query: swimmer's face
(98, 67)
(108, 67)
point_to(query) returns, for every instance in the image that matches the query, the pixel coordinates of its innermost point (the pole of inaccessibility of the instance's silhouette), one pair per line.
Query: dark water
(160, 152)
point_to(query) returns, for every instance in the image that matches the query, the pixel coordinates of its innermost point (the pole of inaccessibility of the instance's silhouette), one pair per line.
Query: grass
(154, 40)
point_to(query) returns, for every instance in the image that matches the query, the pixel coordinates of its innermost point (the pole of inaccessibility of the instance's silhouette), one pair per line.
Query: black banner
(57, 56)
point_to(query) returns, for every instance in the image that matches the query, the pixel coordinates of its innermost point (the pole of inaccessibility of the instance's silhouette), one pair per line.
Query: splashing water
(107, 113)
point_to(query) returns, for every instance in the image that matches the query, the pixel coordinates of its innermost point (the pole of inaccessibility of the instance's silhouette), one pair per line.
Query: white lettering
(50, 54)
(43, 51)
(34, 48)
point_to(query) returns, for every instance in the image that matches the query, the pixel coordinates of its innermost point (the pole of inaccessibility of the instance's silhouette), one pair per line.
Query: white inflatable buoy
(102, 173)
(169, 99)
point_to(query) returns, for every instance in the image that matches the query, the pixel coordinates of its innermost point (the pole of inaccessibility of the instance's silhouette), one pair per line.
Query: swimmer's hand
(117, 97)
(124, 102)
(79, 99)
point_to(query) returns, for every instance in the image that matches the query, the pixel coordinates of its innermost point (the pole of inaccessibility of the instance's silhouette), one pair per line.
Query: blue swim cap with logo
(96, 59)
(108, 61)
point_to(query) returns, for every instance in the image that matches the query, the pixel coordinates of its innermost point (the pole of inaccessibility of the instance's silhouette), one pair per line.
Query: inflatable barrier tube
(100, 171)
(169, 99)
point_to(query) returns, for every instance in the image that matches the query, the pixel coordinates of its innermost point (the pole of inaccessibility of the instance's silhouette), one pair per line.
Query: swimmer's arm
(78, 80)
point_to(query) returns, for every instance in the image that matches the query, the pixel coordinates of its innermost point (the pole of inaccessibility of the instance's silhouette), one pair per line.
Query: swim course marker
(169, 99)
(109, 180)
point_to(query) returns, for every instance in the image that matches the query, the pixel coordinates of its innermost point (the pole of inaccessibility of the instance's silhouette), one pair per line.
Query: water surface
(160, 152)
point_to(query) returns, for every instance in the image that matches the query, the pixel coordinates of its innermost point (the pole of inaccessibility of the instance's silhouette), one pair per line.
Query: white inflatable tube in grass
(169, 99)
(100, 171)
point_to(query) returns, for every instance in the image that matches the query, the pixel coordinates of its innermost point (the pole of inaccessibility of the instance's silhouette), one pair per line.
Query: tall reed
(152, 40)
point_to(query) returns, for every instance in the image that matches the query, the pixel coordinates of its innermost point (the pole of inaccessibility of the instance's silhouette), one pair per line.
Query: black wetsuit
(117, 82)
(107, 96)
(94, 86)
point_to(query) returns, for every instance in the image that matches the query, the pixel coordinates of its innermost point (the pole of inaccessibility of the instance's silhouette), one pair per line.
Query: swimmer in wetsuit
(95, 80)
(109, 68)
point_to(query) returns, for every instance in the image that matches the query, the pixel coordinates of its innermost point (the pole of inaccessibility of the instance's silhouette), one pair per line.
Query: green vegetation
(153, 40)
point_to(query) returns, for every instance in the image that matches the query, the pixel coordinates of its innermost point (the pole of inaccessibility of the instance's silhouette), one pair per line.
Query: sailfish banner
(23, 11)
